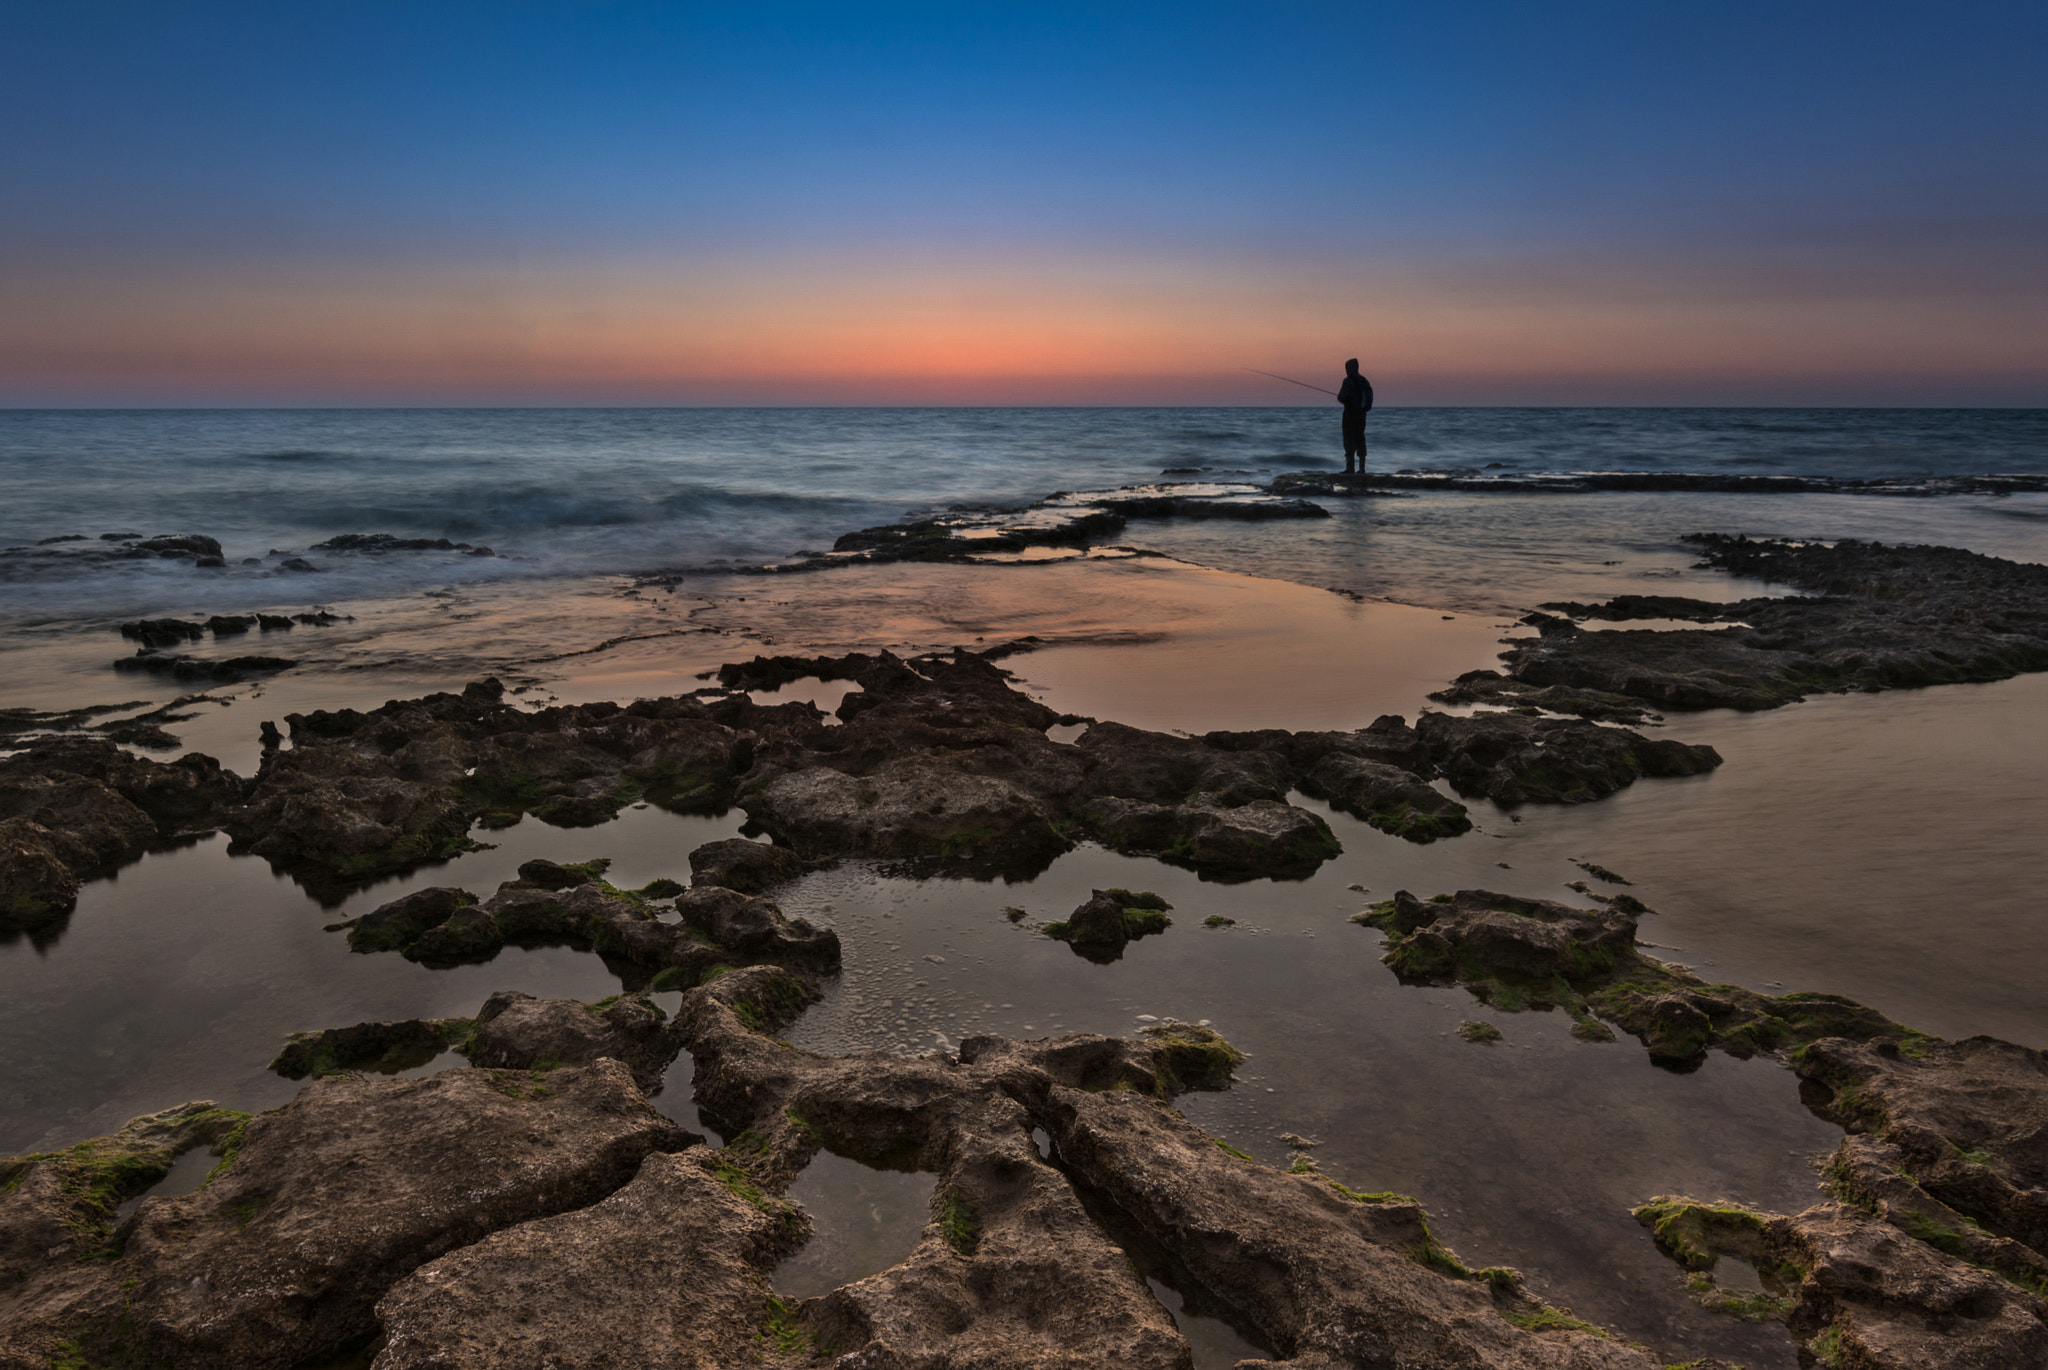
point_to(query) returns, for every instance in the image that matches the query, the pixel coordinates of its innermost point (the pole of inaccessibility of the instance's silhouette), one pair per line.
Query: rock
(227, 670)
(1341, 1278)
(72, 808)
(1675, 1030)
(755, 928)
(363, 794)
(1514, 759)
(520, 1032)
(1377, 1290)
(400, 923)
(1872, 1296)
(1110, 919)
(1257, 838)
(1887, 617)
(1515, 953)
(447, 926)
(338, 818)
(916, 806)
(163, 632)
(1967, 1120)
(386, 1048)
(57, 1208)
(1011, 1272)
(748, 867)
(467, 935)
(36, 884)
(667, 1271)
(1491, 687)
(549, 875)
(1499, 934)
(1391, 799)
(390, 542)
(326, 1203)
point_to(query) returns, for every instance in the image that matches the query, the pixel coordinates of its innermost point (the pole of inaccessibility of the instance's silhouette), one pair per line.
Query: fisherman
(1356, 397)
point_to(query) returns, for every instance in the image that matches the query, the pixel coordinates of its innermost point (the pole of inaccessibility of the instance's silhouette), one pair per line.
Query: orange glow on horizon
(1033, 330)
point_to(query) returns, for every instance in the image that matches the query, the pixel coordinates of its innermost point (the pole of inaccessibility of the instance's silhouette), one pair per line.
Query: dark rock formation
(1966, 1121)
(719, 927)
(1111, 919)
(748, 867)
(223, 670)
(71, 808)
(1858, 1286)
(358, 795)
(391, 542)
(1061, 521)
(1884, 618)
(1874, 1296)
(520, 1032)
(1515, 953)
(1514, 759)
(937, 760)
(384, 1048)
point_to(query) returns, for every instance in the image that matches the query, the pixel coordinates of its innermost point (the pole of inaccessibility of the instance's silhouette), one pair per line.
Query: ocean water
(577, 491)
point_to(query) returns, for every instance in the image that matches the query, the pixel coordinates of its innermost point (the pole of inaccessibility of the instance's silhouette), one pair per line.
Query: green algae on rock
(1110, 920)
(1515, 953)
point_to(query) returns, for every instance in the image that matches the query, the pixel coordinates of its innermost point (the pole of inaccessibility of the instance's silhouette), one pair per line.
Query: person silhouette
(1356, 397)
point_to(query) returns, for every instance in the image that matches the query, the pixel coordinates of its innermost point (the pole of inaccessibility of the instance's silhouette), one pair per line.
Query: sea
(1882, 846)
(568, 492)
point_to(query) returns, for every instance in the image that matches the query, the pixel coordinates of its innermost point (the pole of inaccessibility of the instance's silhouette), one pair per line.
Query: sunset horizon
(456, 205)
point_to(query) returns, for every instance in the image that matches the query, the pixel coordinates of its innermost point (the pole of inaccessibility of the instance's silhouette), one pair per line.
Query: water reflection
(864, 1220)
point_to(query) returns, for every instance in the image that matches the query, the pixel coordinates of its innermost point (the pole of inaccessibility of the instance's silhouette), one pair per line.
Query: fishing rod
(1289, 379)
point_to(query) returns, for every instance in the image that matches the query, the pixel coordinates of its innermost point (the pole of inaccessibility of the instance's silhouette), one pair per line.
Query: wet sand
(1878, 846)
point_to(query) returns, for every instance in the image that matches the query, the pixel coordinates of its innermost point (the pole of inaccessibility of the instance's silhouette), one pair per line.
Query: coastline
(1217, 650)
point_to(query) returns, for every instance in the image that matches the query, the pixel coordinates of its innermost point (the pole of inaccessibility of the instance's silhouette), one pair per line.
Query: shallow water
(864, 1220)
(179, 978)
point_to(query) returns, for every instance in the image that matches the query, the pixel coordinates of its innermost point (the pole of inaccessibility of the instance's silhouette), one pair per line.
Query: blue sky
(1792, 203)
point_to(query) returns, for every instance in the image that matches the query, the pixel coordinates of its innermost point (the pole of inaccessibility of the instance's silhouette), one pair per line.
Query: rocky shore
(531, 1207)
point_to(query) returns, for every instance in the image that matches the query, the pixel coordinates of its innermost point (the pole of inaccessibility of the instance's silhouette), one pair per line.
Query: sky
(1488, 203)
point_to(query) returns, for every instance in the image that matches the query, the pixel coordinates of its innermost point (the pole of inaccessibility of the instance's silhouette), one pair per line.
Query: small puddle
(864, 1220)
(1734, 1275)
(826, 694)
(675, 1099)
(186, 1174)
(446, 1060)
(1215, 1343)
(1065, 732)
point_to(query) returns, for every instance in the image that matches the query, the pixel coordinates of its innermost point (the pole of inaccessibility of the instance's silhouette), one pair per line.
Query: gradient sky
(1491, 203)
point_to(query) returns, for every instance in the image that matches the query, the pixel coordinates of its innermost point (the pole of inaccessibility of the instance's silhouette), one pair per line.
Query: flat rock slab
(334, 1197)
(664, 1272)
